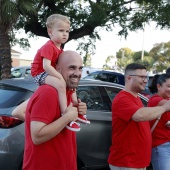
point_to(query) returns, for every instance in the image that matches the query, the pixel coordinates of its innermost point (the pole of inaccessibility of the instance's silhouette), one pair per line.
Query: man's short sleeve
(45, 106)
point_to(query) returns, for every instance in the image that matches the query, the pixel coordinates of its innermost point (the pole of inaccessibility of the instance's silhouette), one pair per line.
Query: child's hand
(81, 107)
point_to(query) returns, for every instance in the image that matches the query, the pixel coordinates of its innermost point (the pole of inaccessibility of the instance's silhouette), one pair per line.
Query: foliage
(10, 10)
(161, 56)
(124, 57)
(157, 60)
(86, 18)
(87, 60)
(148, 62)
(87, 15)
(108, 63)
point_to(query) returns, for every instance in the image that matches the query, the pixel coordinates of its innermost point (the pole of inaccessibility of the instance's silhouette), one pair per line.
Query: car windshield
(92, 76)
(11, 96)
(17, 73)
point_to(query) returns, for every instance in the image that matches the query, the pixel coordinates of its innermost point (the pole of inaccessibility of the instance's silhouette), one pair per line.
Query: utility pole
(142, 55)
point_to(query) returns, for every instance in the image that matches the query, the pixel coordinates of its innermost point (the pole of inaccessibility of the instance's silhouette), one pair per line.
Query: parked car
(93, 141)
(22, 71)
(108, 76)
(118, 78)
(87, 70)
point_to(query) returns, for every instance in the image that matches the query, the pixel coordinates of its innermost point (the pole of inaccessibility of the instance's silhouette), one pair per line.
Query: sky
(109, 44)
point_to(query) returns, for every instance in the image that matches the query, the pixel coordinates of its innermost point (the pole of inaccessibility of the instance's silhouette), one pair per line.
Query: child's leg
(74, 98)
(81, 118)
(61, 88)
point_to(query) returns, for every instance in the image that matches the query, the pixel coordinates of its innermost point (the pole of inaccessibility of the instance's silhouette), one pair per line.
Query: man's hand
(81, 107)
(72, 112)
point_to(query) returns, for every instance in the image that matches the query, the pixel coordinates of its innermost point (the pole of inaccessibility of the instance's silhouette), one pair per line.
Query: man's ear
(128, 78)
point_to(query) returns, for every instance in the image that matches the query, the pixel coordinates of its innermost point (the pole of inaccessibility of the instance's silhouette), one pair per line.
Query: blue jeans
(161, 157)
(124, 168)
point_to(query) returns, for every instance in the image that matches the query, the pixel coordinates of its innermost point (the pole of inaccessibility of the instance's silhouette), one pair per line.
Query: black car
(109, 76)
(93, 141)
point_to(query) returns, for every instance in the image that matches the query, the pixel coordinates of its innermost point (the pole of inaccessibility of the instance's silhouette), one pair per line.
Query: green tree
(86, 17)
(124, 57)
(148, 62)
(137, 56)
(161, 56)
(87, 60)
(107, 66)
(10, 11)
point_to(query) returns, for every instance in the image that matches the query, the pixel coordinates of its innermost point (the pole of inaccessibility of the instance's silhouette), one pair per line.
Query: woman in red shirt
(161, 134)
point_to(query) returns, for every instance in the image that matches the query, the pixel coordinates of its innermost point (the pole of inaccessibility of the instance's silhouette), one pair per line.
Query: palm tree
(10, 11)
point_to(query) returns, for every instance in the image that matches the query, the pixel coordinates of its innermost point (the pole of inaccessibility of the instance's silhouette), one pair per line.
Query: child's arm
(20, 110)
(50, 69)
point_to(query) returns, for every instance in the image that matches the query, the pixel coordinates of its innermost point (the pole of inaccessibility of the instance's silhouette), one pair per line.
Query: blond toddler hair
(52, 19)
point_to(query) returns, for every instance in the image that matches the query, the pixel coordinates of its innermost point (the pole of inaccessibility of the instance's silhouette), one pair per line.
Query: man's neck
(131, 92)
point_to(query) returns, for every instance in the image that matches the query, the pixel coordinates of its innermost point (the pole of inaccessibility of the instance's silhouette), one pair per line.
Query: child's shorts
(40, 78)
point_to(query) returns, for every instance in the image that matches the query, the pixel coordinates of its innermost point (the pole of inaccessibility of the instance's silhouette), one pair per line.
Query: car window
(27, 72)
(107, 76)
(11, 96)
(92, 76)
(17, 73)
(93, 97)
(112, 92)
(102, 76)
(113, 78)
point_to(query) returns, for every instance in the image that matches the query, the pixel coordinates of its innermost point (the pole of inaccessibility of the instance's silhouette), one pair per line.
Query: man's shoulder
(122, 96)
(122, 93)
(45, 88)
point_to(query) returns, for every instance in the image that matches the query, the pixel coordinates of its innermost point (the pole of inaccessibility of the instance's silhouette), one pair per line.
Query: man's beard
(71, 84)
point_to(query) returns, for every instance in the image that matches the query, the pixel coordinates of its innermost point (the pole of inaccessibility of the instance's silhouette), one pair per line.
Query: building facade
(17, 61)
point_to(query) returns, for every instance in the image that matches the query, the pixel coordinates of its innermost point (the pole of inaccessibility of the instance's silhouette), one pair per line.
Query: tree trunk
(5, 55)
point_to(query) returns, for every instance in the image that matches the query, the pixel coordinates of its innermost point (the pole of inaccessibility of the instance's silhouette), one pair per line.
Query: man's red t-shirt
(58, 153)
(49, 51)
(160, 134)
(131, 141)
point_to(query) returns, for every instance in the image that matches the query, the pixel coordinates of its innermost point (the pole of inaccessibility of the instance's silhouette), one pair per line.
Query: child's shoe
(83, 119)
(73, 126)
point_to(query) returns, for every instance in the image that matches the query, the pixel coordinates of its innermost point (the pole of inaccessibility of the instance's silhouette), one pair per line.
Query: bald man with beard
(48, 144)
